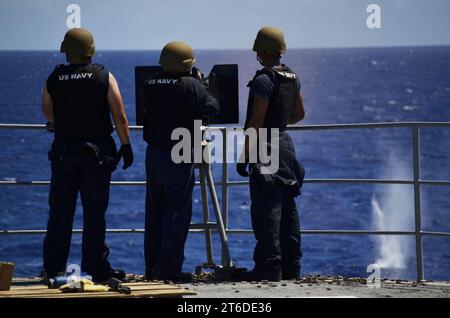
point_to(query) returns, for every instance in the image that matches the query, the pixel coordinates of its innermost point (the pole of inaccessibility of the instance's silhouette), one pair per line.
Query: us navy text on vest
(76, 76)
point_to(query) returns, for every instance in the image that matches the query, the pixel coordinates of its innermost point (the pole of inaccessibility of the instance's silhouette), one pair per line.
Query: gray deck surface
(331, 287)
(316, 286)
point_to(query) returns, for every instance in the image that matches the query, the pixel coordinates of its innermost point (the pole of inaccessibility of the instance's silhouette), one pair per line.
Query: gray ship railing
(225, 183)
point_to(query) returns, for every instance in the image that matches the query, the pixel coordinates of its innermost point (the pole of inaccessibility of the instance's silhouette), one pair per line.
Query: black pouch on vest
(271, 183)
(110, 162)
(266, 182)
(103, 154)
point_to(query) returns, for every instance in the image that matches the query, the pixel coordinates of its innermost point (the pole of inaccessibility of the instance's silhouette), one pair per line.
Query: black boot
(177, 277)
(291, 275)
(148, 275)
(101, 278)
(46, 276)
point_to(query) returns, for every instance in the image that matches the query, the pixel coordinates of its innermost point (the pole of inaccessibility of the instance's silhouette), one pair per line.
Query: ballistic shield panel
(223, 78)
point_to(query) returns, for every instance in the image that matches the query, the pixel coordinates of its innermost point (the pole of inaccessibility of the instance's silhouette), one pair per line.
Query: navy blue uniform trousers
(168, 210)
(87, 170)
(275, 218)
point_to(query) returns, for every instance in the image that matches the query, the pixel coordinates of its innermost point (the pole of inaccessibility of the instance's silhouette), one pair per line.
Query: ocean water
(339, 86)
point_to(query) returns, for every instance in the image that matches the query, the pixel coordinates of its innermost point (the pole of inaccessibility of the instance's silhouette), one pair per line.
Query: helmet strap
(268, 60)
(259, 60)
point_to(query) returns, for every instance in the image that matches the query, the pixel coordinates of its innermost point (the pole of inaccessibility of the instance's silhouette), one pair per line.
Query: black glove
(241, 168)
(195, 72)
(126, 152)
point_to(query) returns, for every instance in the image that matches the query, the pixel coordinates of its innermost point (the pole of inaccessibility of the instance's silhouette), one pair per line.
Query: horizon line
(248, 49)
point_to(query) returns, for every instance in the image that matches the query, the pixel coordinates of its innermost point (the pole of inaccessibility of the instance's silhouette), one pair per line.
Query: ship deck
(321, 288)
(307, 287)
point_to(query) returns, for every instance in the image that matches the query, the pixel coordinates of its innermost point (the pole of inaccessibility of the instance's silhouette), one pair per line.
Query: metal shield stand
(226, 271)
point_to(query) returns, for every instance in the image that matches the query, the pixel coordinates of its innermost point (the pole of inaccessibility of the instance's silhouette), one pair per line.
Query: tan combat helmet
(177, 57)
(270, 40)
(78, 42)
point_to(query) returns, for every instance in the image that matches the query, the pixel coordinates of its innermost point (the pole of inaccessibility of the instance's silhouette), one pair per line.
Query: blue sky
(224, 24)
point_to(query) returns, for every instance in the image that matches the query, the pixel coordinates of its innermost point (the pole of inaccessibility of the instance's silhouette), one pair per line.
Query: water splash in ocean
(393, 211)
(391, 252)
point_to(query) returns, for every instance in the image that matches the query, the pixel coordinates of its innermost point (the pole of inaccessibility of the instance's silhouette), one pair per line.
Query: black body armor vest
(79, 95)
(165, 109)
(282, 100)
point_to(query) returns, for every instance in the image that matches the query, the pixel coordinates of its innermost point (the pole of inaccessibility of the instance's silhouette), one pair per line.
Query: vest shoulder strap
(102, 72)
(274, 75)
(264, 71)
